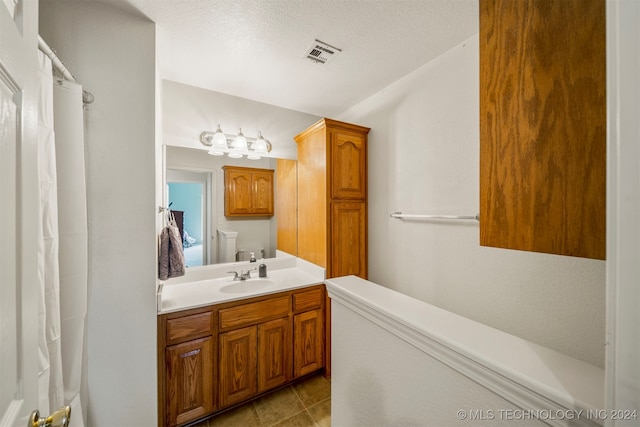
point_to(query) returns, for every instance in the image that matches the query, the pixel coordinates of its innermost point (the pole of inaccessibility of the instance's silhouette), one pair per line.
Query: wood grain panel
(308, 343)
(238, 365)
(274, 353)
(286, 208)
(238, 192)
(312, 195)
(349, 239)
(253, 313)
(543, 126)
(186, 327)
(262, 201)
(348, 165)
(248, 192)
(189, 381)
(307, 300)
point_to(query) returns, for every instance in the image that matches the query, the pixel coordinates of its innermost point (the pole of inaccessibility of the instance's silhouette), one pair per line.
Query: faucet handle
(236, 276)
(246, 274)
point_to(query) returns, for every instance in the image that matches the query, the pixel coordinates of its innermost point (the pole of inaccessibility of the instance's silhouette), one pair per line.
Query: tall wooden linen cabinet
(332, 202)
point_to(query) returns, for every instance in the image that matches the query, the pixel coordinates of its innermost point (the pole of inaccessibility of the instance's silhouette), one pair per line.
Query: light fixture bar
(255, 146)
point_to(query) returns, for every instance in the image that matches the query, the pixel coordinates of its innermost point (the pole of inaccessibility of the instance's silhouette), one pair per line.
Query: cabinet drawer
(257, 312)
(307, 300)
(189, 326)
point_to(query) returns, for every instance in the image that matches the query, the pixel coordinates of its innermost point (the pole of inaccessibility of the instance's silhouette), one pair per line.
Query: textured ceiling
(256, 49)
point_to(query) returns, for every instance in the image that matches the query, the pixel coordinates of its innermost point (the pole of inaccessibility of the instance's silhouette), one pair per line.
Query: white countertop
(204, 286)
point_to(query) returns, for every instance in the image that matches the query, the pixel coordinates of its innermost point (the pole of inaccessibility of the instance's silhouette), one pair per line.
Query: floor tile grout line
(299, 398)
(304, 405)
(317, 423)
(253, 405)
(286, 418)
(306, 408)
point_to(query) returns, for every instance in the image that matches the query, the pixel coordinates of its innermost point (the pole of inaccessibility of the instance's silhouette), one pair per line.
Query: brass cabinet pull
(59, 418)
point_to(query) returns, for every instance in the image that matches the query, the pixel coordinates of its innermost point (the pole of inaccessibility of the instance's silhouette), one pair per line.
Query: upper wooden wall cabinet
(543, 126)
(332, 197)
(248, 192)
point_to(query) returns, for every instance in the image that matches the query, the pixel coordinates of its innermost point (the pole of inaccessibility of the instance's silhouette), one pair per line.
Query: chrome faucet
(244, 275)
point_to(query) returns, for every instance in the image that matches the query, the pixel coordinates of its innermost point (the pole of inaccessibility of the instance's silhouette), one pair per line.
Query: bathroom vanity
(222, 342)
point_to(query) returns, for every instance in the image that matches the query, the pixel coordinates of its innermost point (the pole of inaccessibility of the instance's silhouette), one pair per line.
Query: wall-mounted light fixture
(235, 146)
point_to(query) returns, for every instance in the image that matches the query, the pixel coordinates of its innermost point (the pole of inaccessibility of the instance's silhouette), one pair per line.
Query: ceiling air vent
(321, 52)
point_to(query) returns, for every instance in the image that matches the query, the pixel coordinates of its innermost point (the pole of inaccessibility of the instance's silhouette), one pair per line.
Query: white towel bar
(447, 217)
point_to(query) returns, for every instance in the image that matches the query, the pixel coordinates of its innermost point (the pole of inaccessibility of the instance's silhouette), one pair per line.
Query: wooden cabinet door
(307, 342)
(348, 172)
(238, 193)
(262, 183)
(286, 205)
(348, 249)
(189, 381)
(543, 126)
(248, 191)
(238, 365)
(274, 353)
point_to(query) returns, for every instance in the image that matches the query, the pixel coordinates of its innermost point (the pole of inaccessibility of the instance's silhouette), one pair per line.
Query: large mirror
(194, 190)
(194, 180)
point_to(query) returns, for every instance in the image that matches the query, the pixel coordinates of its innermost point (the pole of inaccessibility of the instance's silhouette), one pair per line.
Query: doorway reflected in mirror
(188, 196)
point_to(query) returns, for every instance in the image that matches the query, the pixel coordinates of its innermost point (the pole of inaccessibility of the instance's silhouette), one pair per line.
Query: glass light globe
(239, 146)
(218, 143)
(260, 145)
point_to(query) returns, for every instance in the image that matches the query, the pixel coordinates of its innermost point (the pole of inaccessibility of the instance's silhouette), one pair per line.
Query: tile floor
(305, 404)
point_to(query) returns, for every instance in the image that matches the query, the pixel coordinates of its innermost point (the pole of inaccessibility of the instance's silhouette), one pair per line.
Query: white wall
(424, 158)
(378, 379)
(623, 207)
(112, 53)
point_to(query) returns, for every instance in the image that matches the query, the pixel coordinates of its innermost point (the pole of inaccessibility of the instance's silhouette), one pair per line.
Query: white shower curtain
(63, 247)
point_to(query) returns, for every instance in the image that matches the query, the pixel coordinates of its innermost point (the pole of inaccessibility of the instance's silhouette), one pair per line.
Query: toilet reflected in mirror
(227, 248)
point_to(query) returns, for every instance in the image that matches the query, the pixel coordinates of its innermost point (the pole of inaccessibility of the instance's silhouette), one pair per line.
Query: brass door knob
(59, 418)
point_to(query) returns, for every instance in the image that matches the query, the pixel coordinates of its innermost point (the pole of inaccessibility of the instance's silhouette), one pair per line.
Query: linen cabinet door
(348, 249)
(308, 343)
(189, 381)
(238, 365)
(274, 353)
(348, 165)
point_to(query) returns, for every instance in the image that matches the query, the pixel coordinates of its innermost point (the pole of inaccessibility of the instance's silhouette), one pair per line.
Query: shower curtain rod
(421, 216)
(87, 97)
(57, 63)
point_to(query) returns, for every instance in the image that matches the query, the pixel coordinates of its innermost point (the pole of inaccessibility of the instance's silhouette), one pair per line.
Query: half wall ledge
(397, 359)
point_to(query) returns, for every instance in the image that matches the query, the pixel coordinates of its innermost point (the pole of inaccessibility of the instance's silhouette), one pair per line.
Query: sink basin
(247, 286)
